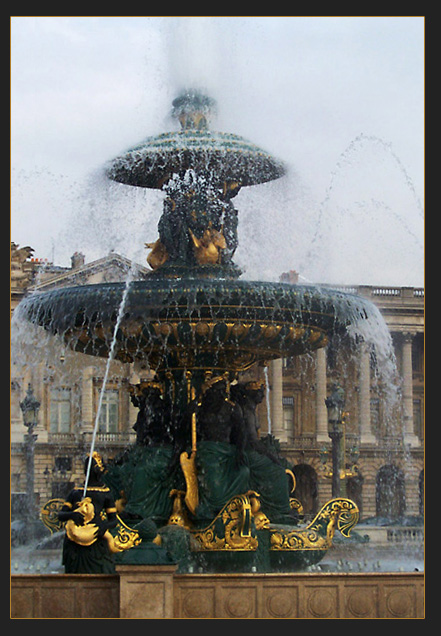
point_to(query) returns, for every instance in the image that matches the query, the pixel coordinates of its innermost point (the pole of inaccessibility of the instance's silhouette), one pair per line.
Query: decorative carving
(207, 248)
(260, 519)
(20, 275)
(296, 505)
(49, 515)
(188, 460)
(89, 517)
(322, 602)
(198, 603)
(178, 516)
(230, 530)
(158, 255)
(318, 535)
(241, 603)
(282, 604)
(362, 602)
(87, 534)
(400, 602)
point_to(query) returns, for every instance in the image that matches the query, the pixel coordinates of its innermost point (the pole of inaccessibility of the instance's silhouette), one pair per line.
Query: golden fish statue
(206, 249)
(158, 255)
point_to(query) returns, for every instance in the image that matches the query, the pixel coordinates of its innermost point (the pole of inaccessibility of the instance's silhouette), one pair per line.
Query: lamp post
(335, 404)
(30, 407)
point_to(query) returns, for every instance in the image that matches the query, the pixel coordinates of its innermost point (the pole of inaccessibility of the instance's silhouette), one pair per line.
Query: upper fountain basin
(224, 157)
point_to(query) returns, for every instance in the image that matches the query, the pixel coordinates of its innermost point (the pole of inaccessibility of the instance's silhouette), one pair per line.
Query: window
(60, 410)
(108, 419)
(63, 464)
(288, 413)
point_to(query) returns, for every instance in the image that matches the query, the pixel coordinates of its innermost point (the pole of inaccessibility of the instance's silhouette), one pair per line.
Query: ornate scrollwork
(318, 535)
(231, 529)
(296, 505)
(49, 515)
(125, 539)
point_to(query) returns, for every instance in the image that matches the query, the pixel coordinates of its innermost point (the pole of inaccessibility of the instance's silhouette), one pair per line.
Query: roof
(110, 268)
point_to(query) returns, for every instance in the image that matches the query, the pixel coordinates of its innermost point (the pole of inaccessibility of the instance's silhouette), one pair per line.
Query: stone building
(388, 452)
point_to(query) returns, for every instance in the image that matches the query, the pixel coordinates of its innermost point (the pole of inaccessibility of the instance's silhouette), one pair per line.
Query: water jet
(218, 495)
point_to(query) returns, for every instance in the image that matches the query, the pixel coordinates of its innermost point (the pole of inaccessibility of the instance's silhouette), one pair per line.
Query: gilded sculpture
(200, 470)
(89, 545)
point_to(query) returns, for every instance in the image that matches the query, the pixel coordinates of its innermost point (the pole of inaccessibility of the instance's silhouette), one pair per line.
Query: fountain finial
(193, 109)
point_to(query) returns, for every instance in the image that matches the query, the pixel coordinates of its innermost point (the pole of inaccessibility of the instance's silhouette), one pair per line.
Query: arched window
(390, 492)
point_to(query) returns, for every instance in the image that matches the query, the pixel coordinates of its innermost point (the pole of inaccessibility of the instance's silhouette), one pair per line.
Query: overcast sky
(339, 99)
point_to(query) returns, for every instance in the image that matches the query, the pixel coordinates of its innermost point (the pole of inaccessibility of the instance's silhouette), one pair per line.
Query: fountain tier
(223, 156)
(196, 323)
(197, 326)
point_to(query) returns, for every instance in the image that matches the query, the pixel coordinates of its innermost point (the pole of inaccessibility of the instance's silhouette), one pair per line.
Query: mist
(338, 99)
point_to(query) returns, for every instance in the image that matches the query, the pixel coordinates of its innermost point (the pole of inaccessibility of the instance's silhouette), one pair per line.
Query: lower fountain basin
(195, 323)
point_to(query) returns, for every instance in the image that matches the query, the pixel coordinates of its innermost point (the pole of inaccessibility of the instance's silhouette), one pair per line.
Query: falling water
(327, 236)
(372, 330)
(375, 333)
(106, 373)
(268, 406)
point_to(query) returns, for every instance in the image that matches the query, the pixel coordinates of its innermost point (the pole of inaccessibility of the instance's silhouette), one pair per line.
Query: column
(41, 390)
(321, 414)
(364, 397)
(406, 368)
(87, 414)
(276, 378)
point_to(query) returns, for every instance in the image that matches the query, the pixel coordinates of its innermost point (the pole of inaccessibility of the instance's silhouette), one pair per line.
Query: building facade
(387, 451)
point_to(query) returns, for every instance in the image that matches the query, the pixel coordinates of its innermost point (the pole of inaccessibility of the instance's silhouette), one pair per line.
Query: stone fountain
(200, 488)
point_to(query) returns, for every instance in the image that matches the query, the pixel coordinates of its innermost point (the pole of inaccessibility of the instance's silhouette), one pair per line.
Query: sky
(340, 100)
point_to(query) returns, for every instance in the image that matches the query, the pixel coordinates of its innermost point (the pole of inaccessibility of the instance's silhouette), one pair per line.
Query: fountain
(198, 326)
(200, 489)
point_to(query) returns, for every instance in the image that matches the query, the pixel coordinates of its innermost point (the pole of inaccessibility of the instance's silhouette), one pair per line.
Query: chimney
(291, 277)
(77, 260)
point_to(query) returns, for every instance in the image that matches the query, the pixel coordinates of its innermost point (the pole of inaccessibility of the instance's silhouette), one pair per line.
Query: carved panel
(281, 602)
(361, 601)
(197, 602)
(321, 602)
(400, 602)
(149, 592)
(238, 602)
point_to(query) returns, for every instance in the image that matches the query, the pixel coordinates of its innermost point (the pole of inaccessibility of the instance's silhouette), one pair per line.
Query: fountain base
(154, 591)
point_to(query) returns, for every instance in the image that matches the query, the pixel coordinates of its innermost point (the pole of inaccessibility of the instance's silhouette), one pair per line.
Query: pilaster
(409, 434)
(364, 404)
(321, 414)
(276, 379)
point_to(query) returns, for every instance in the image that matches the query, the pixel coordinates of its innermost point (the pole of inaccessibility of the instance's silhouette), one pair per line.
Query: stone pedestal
(157, 592)
(146, 591)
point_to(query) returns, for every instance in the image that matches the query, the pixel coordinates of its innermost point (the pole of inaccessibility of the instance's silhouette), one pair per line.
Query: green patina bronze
(198, 471)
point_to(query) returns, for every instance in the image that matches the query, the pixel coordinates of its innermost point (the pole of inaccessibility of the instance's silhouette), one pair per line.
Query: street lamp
(30, 407)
